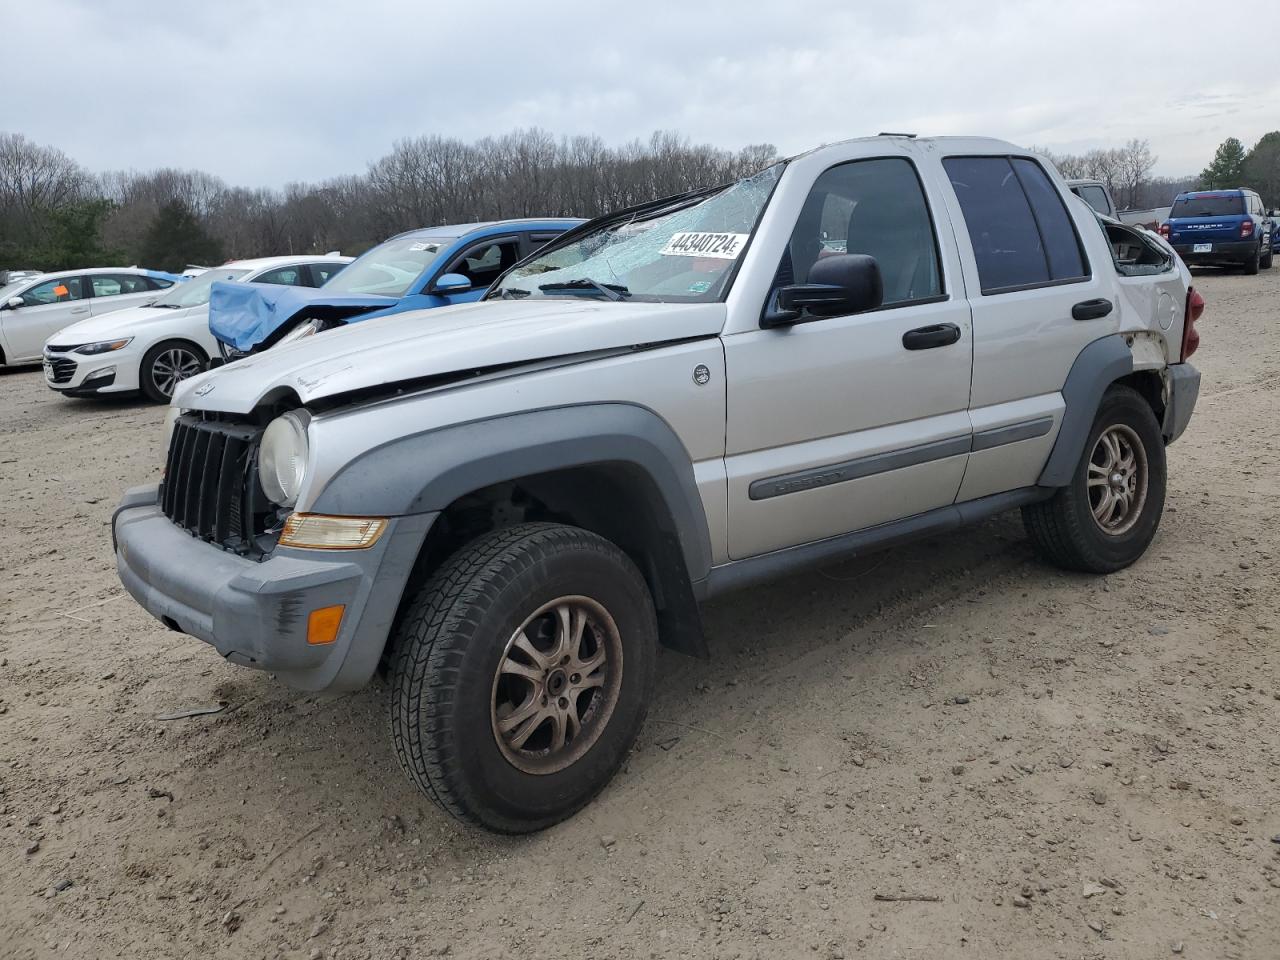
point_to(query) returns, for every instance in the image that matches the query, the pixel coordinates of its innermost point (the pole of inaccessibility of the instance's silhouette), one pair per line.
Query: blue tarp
(243, 315)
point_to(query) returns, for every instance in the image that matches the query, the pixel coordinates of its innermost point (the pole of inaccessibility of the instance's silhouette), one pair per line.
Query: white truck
(510, 507)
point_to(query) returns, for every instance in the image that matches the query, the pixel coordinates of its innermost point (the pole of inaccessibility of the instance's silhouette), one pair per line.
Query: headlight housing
(282, 459)
(302, 330)
(103, 346)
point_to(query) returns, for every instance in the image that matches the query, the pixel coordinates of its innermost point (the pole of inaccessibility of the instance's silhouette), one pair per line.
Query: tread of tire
(430, 646)
(1055, 532)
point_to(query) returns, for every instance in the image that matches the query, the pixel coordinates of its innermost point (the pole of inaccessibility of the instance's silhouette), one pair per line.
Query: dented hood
(245, 314)
(406, 347)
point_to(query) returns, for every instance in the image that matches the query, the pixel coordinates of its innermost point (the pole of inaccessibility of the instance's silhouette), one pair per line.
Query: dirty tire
(450, 641)
(1253, 263)
(1063, 529)
(169, 352)
(1268, 259)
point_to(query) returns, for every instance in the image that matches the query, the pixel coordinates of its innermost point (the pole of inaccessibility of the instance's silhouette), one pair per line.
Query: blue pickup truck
(431, 267)
(1221, 228)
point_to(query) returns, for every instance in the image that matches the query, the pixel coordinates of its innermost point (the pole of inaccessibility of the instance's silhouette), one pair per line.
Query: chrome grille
(59, 369)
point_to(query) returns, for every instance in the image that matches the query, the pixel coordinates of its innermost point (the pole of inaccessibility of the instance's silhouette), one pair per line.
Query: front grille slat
(211, 489)
(61, 369)
(209, 478)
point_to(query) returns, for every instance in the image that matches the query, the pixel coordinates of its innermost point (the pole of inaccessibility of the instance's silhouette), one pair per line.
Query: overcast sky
(261, 93)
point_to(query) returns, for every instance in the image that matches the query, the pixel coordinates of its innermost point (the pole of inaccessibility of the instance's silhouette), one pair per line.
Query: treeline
(54, 214)
(1257, 168)
(1126, 171)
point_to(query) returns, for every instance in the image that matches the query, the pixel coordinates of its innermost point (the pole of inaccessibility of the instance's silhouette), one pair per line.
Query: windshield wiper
(166, 306)
(614, 291)
(514, 293)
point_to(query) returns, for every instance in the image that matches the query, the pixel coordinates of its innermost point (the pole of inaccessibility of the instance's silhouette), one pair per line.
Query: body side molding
(769, 566)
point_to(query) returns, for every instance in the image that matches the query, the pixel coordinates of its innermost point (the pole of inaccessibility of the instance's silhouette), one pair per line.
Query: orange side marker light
(323, 624)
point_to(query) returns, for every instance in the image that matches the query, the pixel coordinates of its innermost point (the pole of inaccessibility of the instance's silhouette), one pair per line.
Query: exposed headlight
(302, 330)
(103, 346)
(282, 460)
(170, 418)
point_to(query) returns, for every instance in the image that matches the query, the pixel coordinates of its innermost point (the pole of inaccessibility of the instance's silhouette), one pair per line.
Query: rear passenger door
(115, 291)
(1023, 246)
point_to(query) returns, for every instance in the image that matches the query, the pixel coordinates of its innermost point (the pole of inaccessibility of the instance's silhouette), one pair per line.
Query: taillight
(1246, 228)
(1191, 339)
(1164, 230)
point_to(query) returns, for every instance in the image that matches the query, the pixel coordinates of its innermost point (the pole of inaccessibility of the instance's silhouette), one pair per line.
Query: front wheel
(166, 365)
(1107, 516)
(521, 675)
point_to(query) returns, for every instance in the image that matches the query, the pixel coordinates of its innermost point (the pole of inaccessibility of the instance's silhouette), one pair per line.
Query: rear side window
(1021, 233)
(1208, 205)
(290, 276)
(113, 284)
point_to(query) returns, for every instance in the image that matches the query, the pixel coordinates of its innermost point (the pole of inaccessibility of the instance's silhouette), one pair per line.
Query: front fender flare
(425, 472)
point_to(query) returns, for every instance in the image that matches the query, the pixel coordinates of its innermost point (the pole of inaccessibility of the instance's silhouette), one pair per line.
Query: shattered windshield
(390, 269)
(682, 253)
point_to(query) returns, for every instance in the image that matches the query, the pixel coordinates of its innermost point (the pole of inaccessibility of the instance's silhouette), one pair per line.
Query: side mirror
(451, 283)
(13, 303)
(839, 285)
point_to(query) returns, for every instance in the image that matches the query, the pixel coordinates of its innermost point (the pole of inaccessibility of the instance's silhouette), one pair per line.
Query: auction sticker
(723, 246)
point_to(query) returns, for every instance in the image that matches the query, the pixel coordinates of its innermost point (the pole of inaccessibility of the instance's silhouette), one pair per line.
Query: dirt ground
(1052, 765)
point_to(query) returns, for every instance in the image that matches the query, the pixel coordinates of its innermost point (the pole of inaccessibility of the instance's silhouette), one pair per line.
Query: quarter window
(875, 207)
(1021, 233)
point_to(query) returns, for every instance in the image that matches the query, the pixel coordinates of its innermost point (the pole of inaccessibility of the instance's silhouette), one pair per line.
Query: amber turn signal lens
(323, 624)
(314, 531)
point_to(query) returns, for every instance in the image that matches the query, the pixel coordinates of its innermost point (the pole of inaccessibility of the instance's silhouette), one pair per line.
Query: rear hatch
(1207, 218)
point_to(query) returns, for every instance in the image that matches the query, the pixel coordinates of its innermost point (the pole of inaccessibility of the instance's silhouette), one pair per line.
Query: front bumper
(1184, 390)
(1230, 251)
(80, 375)
(255, 613)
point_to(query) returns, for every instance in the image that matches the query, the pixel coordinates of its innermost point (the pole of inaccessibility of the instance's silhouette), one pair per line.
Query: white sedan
(153, 347)
(33, 308)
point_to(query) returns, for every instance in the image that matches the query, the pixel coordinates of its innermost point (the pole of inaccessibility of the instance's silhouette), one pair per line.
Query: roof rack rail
(891, 133)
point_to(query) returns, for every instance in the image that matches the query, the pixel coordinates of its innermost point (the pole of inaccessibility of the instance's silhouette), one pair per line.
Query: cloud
(263, 94)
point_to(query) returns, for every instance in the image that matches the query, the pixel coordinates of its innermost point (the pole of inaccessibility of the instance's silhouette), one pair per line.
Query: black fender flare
(427, 471)
(1097, 366)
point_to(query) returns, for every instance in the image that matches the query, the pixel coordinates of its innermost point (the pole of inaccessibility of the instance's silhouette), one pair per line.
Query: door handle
(77, 311)
(926, 338)
(1091, 309)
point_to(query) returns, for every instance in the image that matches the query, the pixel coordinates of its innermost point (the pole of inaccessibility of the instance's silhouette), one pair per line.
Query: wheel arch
(1099, 365)
(614, 468)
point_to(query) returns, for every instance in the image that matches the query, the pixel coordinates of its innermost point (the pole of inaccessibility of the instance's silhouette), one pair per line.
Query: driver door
(47, 308)
(847, 422)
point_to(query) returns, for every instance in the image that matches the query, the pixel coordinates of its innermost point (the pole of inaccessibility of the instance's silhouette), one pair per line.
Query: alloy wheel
(557, 685)
(1117, 480)
(173, 366)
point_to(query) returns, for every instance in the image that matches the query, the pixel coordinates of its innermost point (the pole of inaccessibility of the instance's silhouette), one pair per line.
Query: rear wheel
(1267, 258)
(1254, 262)
(521, 675)
(166, 365)
(1106, 517)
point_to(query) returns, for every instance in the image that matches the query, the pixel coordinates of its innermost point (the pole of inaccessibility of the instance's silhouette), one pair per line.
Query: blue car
(432, 267)
(1222, 228)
